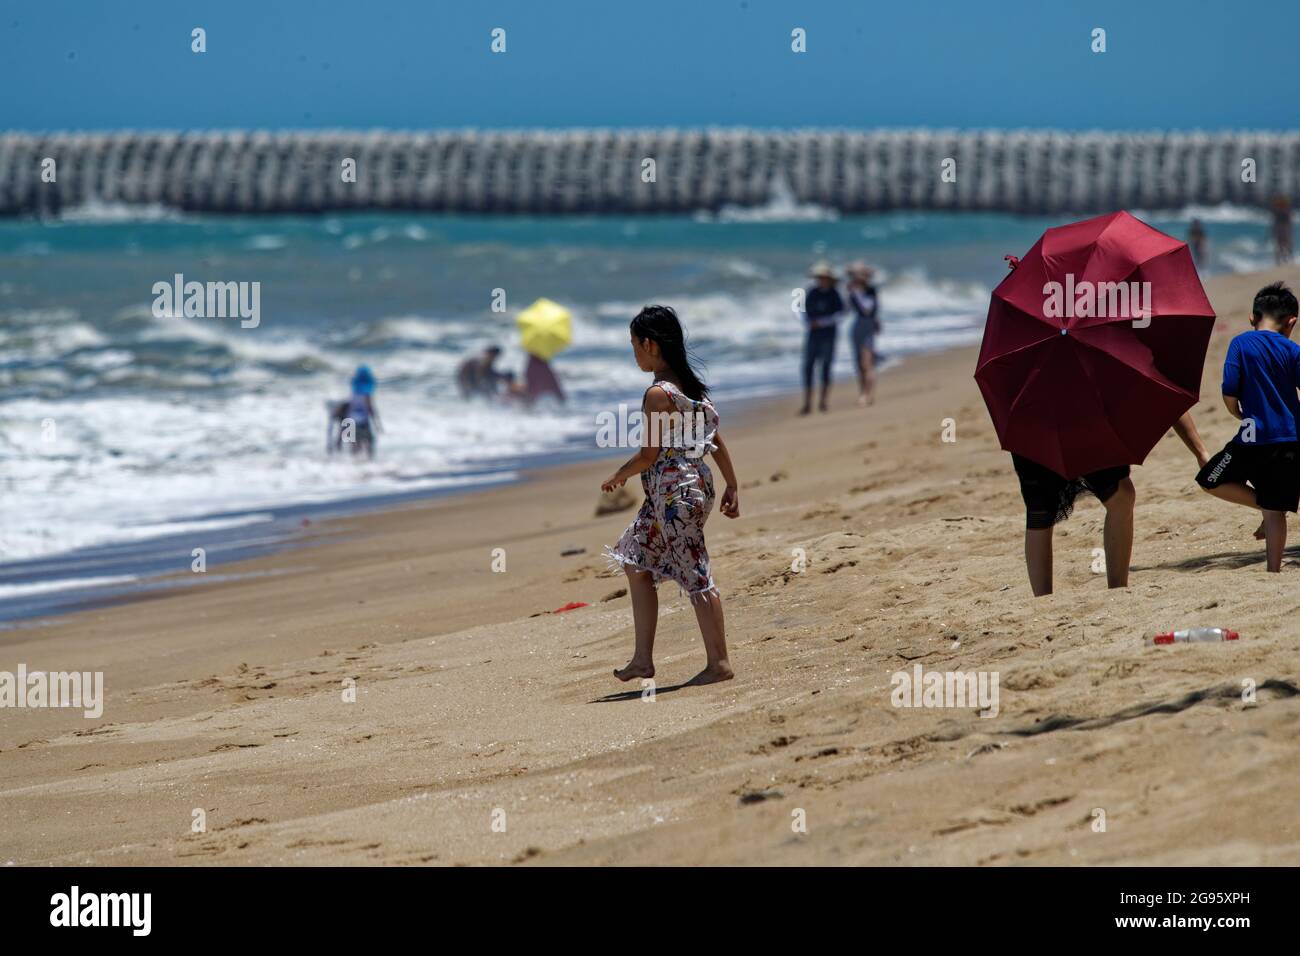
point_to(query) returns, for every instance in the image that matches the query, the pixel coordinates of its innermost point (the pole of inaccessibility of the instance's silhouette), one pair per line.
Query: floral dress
(667, 536)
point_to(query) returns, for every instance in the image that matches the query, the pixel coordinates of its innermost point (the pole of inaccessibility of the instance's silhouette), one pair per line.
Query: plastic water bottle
(1196, 635)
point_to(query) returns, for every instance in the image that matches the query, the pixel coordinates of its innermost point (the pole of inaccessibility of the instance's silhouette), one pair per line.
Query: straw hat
(860, 270)
(822, 270)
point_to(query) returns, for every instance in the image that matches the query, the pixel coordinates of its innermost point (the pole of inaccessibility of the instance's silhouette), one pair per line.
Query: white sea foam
(266, 242)
(781, 206)
(96, 211)
(8, 591)
(1222, 213)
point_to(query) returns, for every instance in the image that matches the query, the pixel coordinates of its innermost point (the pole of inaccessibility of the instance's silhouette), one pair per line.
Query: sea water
(122, 422)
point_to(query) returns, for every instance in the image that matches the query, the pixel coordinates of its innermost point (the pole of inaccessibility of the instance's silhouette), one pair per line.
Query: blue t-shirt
(1262, 370)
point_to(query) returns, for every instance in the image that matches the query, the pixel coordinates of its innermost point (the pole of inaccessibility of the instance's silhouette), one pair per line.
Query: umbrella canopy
(1094, 345)
(545, 329)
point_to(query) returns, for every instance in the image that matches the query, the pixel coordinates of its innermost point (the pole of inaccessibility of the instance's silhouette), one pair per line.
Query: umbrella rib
(1028, 313)
(1011, 406)
(1097, 390)
(1210, 314)
(1016, 351)
(1154, 375)
(1096, 245)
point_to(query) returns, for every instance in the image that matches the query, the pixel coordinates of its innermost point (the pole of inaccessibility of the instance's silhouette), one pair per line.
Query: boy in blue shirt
(1260, 375)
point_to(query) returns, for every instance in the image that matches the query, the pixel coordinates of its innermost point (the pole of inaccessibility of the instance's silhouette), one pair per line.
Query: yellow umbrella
(545, 329)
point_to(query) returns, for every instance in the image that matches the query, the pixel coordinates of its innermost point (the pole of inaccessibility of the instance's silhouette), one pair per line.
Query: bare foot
(823, 407)
(1259, 532)
(634, 670)
(714, 674)
(863, 401)
(805, 410)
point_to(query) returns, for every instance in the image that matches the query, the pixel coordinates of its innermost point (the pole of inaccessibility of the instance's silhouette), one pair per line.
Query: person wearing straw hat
(822, 307)
(866, 326)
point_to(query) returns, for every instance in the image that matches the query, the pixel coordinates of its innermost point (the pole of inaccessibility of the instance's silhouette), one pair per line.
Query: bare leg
(1274, 538)
(1117, 535)
(1235, 492)
(1038, 560)
(868, 376)
(708, 612)
(645, 616)
(807, 377)
(1240, 494)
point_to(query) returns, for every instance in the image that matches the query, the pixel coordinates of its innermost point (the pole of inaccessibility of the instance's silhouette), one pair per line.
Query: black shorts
(1273, 471)
(1049, 498)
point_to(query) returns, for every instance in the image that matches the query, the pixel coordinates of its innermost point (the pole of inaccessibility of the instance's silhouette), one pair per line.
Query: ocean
(124, 431)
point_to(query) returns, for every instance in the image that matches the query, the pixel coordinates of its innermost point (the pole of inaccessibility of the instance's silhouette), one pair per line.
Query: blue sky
(103, 64)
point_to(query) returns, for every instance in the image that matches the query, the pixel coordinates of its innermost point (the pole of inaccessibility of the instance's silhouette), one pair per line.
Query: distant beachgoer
(1196, 242)
(1282, 229)
(865, 304)
(822, 306)
(1260, 467)
(359, 417)
(477, 376)
(666, 539)
(540, 381)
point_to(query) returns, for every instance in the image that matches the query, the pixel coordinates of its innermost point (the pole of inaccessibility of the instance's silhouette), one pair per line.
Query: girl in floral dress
(666, 539)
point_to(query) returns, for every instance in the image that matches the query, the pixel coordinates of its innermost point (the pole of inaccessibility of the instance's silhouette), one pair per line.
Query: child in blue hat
(361, 412)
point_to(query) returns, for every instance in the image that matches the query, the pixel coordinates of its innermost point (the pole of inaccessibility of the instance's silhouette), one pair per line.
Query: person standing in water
(1196, 242)
(361, 411)
(821, 308)
(666, 539)
(866, 326)
(477, 376)
(1282, 229)
(540, 381)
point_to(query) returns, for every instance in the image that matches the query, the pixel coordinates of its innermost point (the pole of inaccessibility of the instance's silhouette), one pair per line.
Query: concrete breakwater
(644, 171)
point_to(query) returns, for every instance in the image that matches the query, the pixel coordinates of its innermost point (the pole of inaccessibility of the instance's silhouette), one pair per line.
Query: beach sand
(488, 731)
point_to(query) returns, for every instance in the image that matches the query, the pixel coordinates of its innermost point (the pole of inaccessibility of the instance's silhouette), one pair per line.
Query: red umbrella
(1094, 345)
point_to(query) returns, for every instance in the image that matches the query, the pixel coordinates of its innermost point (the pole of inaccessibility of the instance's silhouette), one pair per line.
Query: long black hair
(659, 323)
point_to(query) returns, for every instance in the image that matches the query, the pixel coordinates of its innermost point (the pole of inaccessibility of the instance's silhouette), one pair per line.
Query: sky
(428, 64)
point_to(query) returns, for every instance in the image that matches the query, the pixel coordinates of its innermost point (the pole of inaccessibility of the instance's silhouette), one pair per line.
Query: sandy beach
(488, 730)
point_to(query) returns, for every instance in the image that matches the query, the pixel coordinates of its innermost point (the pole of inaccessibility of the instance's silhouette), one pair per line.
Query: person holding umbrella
(1049, 498)
(1093, 349)
(545, 330)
